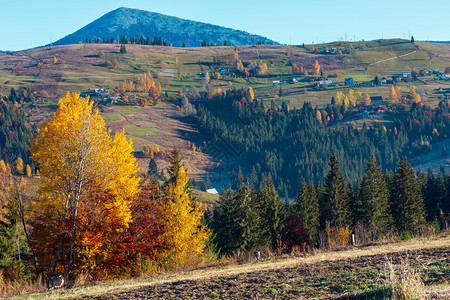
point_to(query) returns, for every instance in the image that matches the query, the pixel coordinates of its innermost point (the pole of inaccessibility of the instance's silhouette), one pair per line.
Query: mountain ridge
(176, 31)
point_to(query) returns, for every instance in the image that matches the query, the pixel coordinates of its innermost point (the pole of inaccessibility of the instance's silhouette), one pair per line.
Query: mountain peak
(132, 22)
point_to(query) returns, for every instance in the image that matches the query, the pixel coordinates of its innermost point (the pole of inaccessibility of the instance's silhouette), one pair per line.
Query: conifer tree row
(246, 219)
(292, 145)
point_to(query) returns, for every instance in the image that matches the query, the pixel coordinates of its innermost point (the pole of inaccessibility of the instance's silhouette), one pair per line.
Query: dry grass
(404, 281)
(230, 270)
(8, 288)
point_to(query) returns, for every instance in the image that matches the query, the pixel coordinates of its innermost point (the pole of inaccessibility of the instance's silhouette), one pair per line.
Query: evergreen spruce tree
(253, 178)
(421, 179)
(175, 164)
(407, 203)
(152, 168)
(206, 184)
(254, 233)
(446, 200)
(389, 179)
(431, 198)
(227, 223)
(441, 193)
(336, 198)
(372, 204)
(307, 208)
(272, 213)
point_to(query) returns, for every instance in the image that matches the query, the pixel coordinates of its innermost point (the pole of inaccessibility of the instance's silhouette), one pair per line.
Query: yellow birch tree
(74, 150)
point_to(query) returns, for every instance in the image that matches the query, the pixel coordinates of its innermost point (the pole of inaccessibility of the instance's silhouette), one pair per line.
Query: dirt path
(295, 277)
(396, 57)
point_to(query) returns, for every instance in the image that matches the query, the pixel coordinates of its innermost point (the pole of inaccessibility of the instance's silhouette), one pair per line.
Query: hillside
(83, 67)
(134, 22)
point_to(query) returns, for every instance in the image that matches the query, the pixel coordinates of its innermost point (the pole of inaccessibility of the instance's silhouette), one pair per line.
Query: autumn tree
(181, 217)
(318, 116)
(236, 55)
(251, 94)
(74, 150)
(295, 69)
(28, 171)
(18, 165)
(398, 92)
(15, 253)
(316, 67)
(393, 94)
(367, 100)
(239, 66)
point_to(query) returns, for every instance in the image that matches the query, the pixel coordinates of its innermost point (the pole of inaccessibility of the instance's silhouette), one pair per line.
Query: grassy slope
(234, 270)
(81, 69)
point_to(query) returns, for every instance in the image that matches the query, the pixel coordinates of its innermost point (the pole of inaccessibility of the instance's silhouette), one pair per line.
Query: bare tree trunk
(63, 234)
(72, 238)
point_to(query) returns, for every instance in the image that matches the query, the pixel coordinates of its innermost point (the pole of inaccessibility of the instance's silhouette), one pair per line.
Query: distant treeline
(439, 42)
(16, 132)
(292, 145)
(141, 40)
(389, 205)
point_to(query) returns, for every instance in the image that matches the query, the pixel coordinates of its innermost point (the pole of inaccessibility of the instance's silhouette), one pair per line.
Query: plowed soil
(341, 279)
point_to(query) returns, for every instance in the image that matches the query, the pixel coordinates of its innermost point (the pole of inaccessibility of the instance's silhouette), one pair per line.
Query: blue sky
(31, 23)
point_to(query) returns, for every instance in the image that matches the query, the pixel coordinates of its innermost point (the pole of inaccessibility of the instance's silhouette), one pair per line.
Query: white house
(212, 191)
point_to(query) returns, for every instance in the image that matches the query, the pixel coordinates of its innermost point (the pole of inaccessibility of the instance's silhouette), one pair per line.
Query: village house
(406, 74)
(349, 81)
(376, 100)
(224, 71)
(326, 82)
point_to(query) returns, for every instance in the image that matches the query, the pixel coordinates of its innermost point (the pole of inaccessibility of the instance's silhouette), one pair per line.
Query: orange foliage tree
(107, 249)
(367, 100)
(236, 55)
(251, 94)
(393, 93)
(316, 67)
(74, 150)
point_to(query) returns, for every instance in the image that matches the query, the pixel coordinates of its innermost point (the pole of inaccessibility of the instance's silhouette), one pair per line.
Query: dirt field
(343, 278)
(162, 126)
